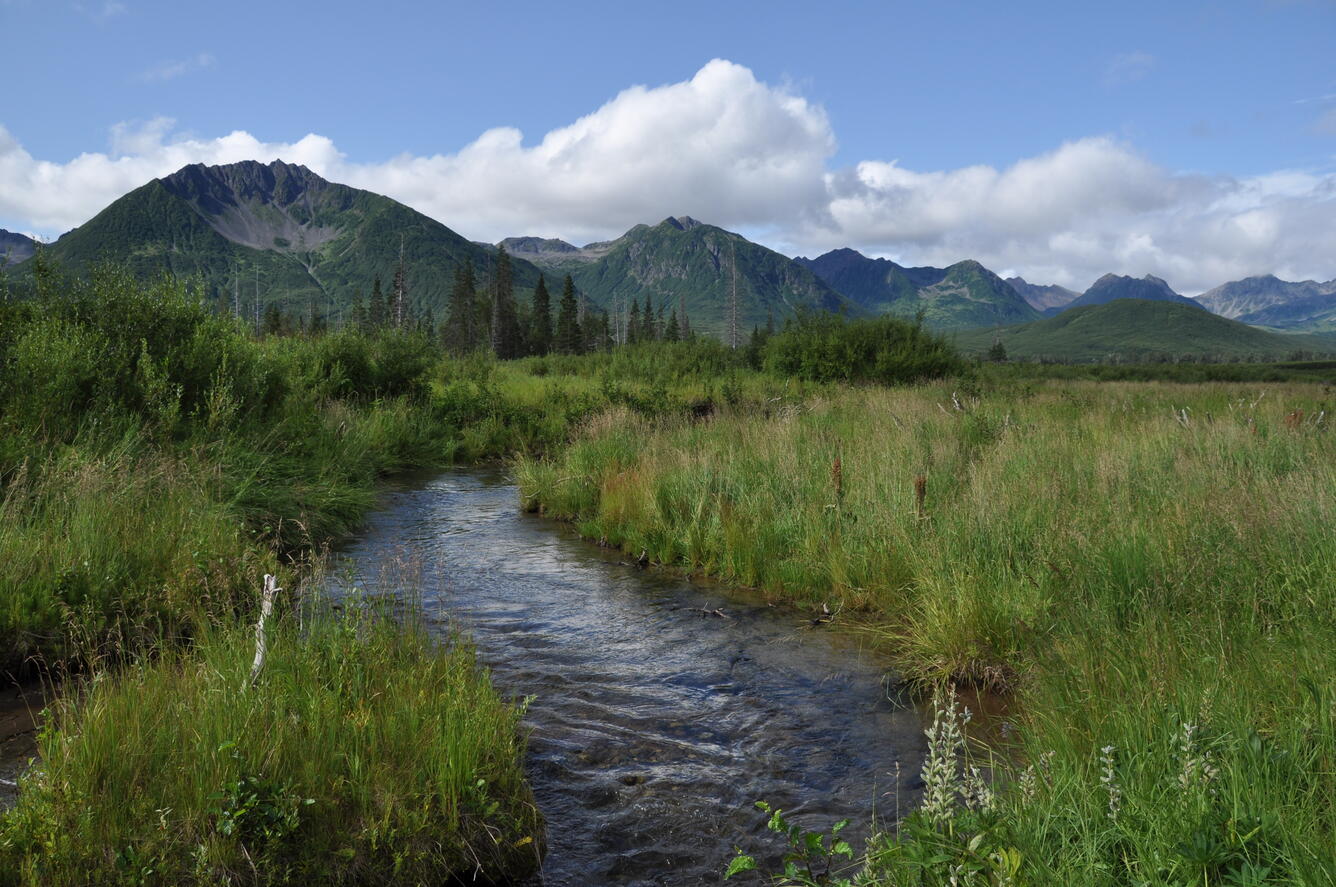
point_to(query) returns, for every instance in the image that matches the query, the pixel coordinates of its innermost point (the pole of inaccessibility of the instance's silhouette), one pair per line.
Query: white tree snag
(261, 640)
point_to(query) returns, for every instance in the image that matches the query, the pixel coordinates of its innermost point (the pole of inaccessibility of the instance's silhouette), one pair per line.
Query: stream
(655, 724)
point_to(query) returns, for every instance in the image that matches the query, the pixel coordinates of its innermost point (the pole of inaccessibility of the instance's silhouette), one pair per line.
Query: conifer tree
(317, 324)
(377, 309)
(633, 325)
(360, 320)
(460, 333)
(594, 331)
(673, 332)
(273, 320)
(648, 330)
(505, 322)
(540, 335)
(399, 310)
(570, 339)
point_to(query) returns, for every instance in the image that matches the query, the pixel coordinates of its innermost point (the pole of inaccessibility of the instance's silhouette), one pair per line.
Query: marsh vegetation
(1145, 566)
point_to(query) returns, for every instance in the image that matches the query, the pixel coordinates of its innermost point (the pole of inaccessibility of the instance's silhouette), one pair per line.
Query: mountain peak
(1267, 300)
(681, 223)
(1118, 286)
(966, 294)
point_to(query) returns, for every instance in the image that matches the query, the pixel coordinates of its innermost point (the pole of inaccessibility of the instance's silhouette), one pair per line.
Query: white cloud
(731, 150)
(100, 12)
(170, 70)
(1128, 67)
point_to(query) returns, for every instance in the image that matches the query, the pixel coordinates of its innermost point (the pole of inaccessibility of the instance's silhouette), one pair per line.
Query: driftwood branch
(271, 589)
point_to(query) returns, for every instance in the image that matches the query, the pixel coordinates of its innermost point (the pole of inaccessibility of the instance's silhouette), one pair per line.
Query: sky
(1191, 140)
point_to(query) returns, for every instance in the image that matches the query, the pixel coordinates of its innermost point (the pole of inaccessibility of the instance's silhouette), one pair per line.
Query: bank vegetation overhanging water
(1148, 566)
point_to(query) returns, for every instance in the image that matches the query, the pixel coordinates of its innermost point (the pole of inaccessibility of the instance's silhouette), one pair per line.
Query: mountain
(553, 254)
(1043, 298)
(14, 248)
(283, 231)
(1114, 286)
(961, 296)
(1270, 301)
(687, 259)
(1138, 330)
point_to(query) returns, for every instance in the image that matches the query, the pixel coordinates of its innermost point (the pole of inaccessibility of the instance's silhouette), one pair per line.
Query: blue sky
(1205, 115)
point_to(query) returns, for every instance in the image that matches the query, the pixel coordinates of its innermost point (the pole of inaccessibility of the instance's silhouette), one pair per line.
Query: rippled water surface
(654, 725)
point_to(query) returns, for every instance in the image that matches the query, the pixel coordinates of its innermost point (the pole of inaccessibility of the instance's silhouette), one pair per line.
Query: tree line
(486, 315)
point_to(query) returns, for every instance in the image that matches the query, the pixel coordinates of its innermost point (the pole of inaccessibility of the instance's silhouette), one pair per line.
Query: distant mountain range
(1048, 299)
(1271, 302)
(699, 264)
(1140, 329)
(963, 295)
(281, 231)
(278, 233)
(15, 248)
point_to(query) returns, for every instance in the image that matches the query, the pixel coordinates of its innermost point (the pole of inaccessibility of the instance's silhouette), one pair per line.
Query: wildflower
(1029, 783)
(978, 794)
(941, 768)
(1197, 767)
(1110, 781)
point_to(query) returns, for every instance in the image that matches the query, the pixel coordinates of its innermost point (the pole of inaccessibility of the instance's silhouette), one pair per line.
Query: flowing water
(655, 723)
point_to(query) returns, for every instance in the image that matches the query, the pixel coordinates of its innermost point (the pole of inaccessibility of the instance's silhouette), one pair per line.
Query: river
(655, 724)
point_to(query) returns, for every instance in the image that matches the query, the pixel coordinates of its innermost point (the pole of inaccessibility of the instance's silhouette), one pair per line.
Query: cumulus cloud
(170, 70)
(732, 150)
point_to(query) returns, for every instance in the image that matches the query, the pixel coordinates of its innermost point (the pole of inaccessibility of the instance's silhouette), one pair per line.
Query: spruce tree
(593, 330)
(359, 318)
(505, 323)
(569, 338)
(633, 333)
(377, 310)
(460, 333)
(649, 332)
(540, 335)
(273, 320)
(672, 333)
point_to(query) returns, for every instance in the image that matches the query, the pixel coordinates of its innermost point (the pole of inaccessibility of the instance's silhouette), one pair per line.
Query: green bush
(886, 350)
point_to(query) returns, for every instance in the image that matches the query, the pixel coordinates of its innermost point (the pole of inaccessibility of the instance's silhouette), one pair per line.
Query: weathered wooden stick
(261, 640)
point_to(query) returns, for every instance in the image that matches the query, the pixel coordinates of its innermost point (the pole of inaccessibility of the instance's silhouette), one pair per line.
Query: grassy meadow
(1142, 557)
(364, 753)
(1149, 567)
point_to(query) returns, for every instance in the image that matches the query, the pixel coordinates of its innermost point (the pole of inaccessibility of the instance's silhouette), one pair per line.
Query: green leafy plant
(812, 858)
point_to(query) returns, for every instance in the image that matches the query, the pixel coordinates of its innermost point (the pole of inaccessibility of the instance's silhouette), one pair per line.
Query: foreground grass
(1150, 566)
(364, 754)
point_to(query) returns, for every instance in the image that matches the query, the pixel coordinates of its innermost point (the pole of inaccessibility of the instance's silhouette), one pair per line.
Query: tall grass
(1129, 558)
(365, 754)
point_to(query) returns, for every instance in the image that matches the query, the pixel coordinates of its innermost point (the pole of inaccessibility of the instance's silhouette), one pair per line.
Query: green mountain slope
(1114, 286)
(283, 232)
(681, 258)
(14, 248)
(1139, 329)
(961, 296)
